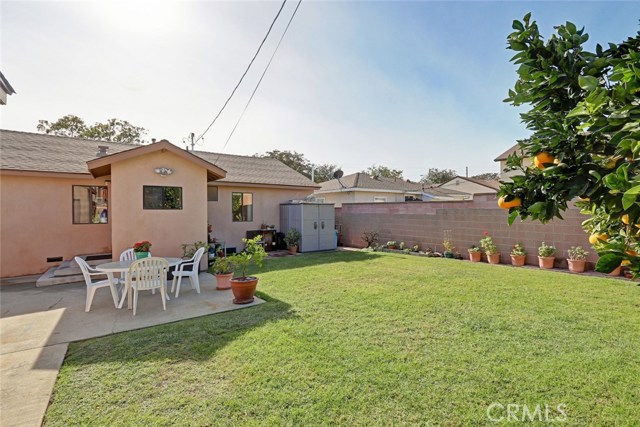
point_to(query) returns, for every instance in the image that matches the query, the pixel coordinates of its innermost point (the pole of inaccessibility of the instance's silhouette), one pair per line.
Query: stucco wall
(36, 222)
(266, 208)
(424, 223)
(465, 186)
(359, 197)
(165, 229)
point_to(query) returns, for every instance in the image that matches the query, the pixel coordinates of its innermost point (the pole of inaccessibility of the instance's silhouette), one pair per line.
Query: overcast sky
(410, 85)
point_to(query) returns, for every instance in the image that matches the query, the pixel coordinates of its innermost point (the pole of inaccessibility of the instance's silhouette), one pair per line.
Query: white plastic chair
(148, 274)
(88, 273)
(179, 273)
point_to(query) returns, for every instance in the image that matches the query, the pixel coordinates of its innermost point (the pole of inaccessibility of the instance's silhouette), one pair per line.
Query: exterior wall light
(162, 171)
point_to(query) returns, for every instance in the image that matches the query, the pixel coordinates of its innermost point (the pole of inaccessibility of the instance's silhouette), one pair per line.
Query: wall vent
(54, 259)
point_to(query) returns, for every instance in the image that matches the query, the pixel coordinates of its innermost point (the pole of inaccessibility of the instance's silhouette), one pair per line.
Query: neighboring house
(60, 197)
(5, 89)
(502, 158)
(363, 188)
(472, 185)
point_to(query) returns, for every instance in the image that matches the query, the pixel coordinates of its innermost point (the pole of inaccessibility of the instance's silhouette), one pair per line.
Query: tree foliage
(298, 162)
(585, 118)
(114, 130)
(438, 176)
(383, 171)
(487, 176)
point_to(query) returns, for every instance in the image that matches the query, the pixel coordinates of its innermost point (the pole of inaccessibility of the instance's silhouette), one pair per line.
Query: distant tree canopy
(298, 162)
(438, 176)
(487, 176)
(383, 171)
(114, 130)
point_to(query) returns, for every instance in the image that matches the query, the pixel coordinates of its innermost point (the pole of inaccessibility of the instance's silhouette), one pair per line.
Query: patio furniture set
(135, 275)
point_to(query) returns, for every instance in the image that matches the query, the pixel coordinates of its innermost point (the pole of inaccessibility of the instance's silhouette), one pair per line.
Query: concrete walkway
(36, 325)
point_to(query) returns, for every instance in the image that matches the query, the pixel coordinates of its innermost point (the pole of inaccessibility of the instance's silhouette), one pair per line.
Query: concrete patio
(36, 325)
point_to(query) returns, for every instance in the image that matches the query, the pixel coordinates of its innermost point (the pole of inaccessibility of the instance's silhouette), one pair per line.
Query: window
(242, 207)
(90, 205)
(320, 199)
(156, 197)
(377, 199)
(212, 194)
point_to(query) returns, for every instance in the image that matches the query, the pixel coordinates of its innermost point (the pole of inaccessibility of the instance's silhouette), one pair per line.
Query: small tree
(253, 254)
(438, 176)
(585, 141)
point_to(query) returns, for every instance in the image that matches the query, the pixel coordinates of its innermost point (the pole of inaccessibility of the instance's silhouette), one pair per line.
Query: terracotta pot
(546, 261)
(223, 281)
(493, 258)
(293, 249)
(577, 265)
(244, 289)
(475, 256)
(518, 260)
(616, 272)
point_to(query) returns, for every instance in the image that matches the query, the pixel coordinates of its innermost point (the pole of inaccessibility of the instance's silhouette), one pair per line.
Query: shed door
(326, 226)
(310, 227)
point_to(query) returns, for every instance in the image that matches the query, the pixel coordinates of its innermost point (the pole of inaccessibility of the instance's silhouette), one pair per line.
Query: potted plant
(577, 259)
(392, 244)
(244, 287)
(223, 271)
(518, 255)
(490, 249)
(142, 249)
(292, 239)
(448, 248)
(475, 253)
(546, 256)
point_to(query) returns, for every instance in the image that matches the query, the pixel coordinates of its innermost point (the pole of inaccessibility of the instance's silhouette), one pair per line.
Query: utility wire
(243, 75)
(259, 81)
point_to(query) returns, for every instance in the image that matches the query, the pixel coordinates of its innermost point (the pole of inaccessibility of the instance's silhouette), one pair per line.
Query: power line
(244, 74)
(259, 81)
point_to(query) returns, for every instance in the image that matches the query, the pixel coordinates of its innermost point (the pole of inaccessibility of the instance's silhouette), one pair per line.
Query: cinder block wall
(424, 224)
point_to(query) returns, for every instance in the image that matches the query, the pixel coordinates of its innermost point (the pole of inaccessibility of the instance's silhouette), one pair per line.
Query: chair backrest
(85, 269)
(197, 257)
(149, 273)
(128, 255)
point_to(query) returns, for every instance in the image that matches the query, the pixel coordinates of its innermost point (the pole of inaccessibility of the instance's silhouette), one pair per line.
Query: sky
(409, 85)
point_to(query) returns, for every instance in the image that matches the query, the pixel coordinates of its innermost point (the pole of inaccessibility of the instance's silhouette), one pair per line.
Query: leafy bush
(546, 250)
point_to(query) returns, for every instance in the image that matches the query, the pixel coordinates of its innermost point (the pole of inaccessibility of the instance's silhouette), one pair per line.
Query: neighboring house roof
(444, 192)
(5, 86)
(507, 153)
(36, 152)
(363, 181)
(489, 183)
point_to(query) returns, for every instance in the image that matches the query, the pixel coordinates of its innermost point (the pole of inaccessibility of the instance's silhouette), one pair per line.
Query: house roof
(101, 166)
(5, 85)
(363, 181)
(493, 184)
(25, 151)
(507, 153)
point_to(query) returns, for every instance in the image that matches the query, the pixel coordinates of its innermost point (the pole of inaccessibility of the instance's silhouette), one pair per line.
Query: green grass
(363, 339)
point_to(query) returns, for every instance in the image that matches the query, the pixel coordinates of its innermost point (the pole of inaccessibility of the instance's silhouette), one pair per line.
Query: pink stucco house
(61, 196)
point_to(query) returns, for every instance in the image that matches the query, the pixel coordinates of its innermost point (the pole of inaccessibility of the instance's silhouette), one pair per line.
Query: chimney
(102, 150)
(153, 140)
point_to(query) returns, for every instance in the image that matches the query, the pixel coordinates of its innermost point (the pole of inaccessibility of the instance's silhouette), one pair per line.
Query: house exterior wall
(266, 208)
(359, 197)
(465, 186)
(424, 223)
(165, 229)
(36, 222)
(506, 176)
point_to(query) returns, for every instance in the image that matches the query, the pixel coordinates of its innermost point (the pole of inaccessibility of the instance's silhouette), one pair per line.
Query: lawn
(363, 339)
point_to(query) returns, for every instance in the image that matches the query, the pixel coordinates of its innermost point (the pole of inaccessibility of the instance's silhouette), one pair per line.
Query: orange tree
(585, 140)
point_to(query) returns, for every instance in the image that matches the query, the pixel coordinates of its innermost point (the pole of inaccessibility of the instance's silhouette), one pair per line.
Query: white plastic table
(123, 267)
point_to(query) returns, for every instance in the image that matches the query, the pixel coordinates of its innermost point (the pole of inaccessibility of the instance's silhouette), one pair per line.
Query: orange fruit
(514, 203)
(542, 158)
(625, 219)
(596, 238)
